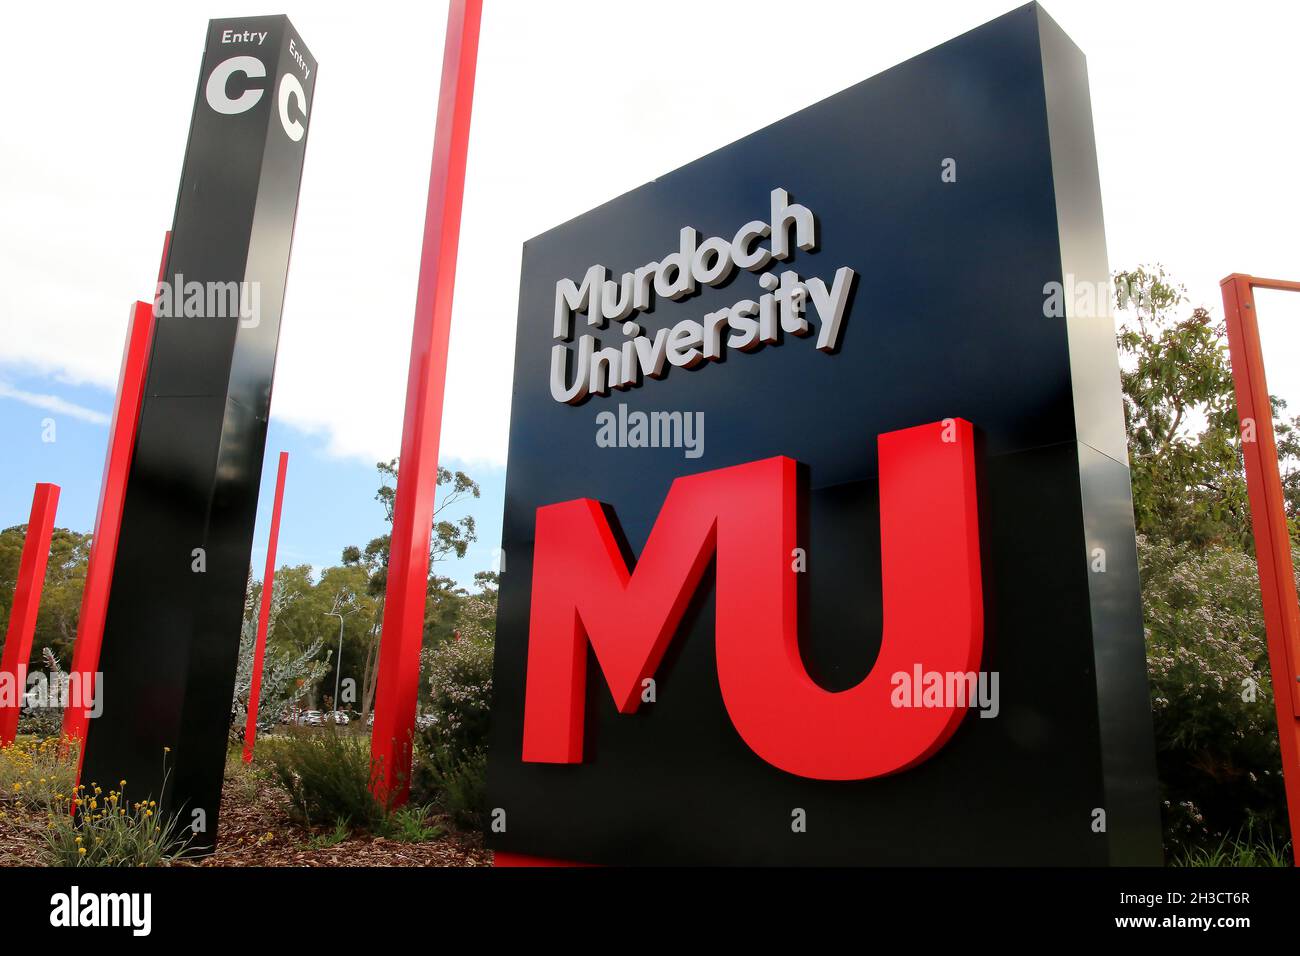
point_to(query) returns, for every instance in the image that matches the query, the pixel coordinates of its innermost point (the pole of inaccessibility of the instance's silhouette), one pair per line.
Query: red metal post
(108, 515)
(1268, 521)
(264, 615)
(408, 566)
(27, 604)
(108, 520)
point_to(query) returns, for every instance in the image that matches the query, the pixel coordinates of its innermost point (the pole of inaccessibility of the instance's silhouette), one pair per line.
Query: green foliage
(243, 778)
(451, 752)
(1286, 432)
(1211, 689)
(65, 576)
(459, 779)
(1216, 740)
(326, 775)
(36, 772)
(46, 721)
(410, 824)
(324, 841)
(109, 830)
(1181, 415)
(460, 688)
(288, 673)
(1246, 849)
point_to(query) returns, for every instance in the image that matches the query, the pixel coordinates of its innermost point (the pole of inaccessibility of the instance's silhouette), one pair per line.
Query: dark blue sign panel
(924, 247)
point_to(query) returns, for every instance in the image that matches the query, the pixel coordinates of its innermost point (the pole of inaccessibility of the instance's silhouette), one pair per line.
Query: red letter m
(746, 515)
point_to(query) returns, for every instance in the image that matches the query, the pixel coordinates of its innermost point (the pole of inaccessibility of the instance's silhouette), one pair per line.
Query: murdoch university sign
(770, 651)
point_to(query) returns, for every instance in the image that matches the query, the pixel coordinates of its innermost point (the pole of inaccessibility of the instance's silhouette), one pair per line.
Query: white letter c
(251, 67)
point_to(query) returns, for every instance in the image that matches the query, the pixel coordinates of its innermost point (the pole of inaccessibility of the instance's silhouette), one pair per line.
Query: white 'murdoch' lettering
(586, 368)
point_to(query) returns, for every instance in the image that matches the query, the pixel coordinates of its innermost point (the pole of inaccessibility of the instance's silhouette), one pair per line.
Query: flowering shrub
(35, 772)
(460, 685)
(108, 830)
(1212, 700)
(452, 750)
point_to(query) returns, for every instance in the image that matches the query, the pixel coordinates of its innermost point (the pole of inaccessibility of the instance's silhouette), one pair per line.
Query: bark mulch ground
(256, 830)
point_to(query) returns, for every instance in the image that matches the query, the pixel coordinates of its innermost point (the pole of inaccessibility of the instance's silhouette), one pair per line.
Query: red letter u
(747, 514)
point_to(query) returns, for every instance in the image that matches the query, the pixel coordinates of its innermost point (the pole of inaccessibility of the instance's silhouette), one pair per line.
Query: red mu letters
(746, 516)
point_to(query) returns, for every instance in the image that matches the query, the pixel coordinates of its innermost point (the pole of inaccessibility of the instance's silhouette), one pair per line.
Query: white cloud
(576, 102)
(53, 403)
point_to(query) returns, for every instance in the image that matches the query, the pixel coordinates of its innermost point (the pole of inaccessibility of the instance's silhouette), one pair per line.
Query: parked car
(310, 718)
(338, 717)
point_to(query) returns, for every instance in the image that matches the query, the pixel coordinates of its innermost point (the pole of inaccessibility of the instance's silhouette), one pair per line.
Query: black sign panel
(171, 637)
(958, 187)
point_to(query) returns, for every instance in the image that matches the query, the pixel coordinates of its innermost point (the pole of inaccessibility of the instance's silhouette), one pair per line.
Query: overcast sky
(576, 102)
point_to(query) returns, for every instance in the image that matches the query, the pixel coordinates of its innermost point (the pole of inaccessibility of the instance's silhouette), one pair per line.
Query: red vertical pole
(27, 604)
(264, 615)
(408, 565)
(108, 520)
(1268, 523)
(108, 516)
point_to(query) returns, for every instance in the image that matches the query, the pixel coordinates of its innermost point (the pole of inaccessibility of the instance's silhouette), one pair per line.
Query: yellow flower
(81, 851)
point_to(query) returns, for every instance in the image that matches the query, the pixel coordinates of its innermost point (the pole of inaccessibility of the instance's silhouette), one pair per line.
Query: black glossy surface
(171, 638)
(947, 320)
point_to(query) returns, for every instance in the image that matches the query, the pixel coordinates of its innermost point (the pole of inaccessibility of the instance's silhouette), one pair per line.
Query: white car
(338, 717)
(311, 718)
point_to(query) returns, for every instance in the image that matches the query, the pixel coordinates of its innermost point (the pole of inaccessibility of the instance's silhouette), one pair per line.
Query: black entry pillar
(171, 638)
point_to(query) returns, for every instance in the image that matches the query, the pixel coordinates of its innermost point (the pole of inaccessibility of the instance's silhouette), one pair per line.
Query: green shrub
(1212, 700)
(451, 753)
(460, 693)
(324, 841)
(458, 782)
(1247, 850)
(409, 825)
(36, 772)
(326, 776)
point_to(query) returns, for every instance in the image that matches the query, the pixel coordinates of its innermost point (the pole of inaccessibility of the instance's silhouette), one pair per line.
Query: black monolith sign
(171, 637)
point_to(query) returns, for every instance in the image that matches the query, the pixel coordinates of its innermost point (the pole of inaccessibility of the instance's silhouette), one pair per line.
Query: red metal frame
(502, 858)
(264, 614)
(26, 606)
(1268, 520)
(408, 565)
(108, 516)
